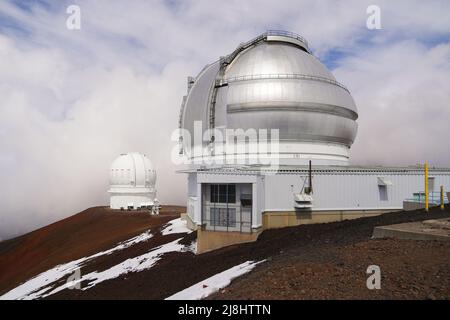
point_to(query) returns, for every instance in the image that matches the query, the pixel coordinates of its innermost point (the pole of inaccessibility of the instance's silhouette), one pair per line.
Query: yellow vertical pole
(442, 197)
(427, 204)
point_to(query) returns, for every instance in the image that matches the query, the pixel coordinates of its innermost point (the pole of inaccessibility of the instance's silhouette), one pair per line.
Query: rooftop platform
(438, 229)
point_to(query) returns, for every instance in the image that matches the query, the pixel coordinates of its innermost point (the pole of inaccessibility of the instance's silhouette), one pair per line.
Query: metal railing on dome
(221, 82)
(251, 42)
(286, 34)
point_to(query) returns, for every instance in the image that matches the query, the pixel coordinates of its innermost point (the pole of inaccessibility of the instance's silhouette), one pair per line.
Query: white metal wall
(332, 190)
(192, 185)
(118, 201)
(350, 190)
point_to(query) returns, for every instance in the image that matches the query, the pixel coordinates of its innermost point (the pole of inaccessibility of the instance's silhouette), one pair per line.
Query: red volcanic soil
(320, 261)
(80, 235)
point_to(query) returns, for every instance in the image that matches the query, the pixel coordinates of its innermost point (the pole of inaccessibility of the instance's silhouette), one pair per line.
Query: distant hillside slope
(80, 235)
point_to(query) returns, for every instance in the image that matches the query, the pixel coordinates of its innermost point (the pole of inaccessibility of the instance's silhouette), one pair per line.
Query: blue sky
(73, 100)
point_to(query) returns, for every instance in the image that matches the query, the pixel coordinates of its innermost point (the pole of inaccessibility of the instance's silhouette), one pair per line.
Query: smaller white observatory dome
(132, 180)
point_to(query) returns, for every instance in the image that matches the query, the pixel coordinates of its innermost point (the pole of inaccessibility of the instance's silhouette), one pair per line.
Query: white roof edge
(285, 170)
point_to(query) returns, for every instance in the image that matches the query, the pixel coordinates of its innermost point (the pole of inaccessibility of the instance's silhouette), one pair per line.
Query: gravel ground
(322, 261)
(409, 270)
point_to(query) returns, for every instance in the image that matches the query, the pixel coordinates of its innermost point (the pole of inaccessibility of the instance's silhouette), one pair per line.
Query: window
(223, 217)
(223, 193)
(214, 193)
(246, 200)
(430, 184)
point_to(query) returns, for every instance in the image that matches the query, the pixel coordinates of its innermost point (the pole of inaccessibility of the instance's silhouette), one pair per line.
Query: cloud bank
(71, 101)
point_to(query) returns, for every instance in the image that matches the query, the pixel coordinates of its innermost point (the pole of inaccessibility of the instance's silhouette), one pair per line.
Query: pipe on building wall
(427, 195)
(310, 177)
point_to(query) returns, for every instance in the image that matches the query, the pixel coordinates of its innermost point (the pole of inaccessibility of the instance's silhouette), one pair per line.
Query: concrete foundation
(415, 205)
(422, 230)
(189, 223)
(273, 220)
(211, 240)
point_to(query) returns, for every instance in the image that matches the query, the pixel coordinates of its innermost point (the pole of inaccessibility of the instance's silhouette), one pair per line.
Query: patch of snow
(37, 286)
(176, 226)
(137, 264)
(193, 247)
(213, 284)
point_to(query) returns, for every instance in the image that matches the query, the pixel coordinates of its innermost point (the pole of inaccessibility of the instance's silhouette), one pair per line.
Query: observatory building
(132, 182)
(290, 125)
(274, 82)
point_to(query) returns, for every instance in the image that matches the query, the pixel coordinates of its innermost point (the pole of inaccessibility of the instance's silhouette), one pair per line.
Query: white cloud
(71, 101)
(61, 165)
(402, 92)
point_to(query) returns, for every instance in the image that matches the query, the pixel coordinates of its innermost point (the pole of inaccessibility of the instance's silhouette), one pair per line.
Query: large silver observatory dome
(274, 82)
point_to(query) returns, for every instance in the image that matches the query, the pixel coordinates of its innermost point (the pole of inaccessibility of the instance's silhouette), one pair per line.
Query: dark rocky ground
(322, 261)
(409, 270)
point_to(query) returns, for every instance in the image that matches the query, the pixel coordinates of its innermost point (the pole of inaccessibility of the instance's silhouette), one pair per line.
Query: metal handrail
(221, 82)
(434, 197)
(240, 226)
(245, 45)
(286, 34)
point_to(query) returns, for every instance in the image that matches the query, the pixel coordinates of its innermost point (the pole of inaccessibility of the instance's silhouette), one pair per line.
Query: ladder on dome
(180, 124)
(225, 61)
